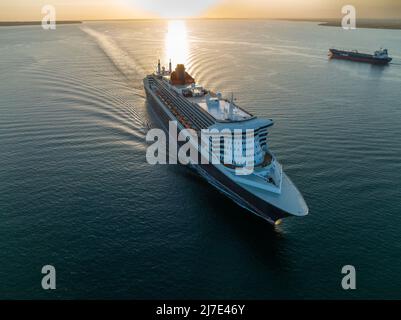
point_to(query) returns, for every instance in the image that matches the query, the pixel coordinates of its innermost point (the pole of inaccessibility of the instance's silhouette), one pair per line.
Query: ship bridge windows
(236, 153)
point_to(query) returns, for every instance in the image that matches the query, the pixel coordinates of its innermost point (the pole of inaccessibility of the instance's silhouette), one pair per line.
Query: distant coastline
(31, 23)
(360, 23)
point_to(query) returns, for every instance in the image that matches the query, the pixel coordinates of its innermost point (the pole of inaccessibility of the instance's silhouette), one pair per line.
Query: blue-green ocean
(77, 193)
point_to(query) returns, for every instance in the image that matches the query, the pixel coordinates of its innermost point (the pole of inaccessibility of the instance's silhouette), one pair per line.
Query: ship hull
(217, 178)
(241, 196)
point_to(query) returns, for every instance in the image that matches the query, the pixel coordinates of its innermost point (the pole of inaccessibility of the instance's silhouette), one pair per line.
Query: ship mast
(231, 106)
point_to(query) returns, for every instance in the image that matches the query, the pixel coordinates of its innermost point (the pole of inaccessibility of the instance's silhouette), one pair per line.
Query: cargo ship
(174, 96)
(380, 57)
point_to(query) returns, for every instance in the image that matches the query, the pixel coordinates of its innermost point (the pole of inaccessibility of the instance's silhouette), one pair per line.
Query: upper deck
(222, 110)
(199, 104)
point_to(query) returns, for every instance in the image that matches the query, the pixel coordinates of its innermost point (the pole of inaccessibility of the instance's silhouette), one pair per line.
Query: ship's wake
(121, 59)
(125, 64)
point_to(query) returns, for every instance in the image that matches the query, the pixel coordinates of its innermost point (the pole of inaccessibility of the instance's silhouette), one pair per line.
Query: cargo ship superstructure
(380, 57)
(267, 191)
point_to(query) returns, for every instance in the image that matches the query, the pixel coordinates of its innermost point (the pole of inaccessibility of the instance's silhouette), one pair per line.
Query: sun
(174, 8)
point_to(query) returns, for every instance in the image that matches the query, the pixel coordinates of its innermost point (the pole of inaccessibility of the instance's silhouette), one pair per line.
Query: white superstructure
(232, 130)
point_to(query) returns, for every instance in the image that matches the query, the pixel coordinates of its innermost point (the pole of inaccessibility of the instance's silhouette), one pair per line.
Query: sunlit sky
(23, 10)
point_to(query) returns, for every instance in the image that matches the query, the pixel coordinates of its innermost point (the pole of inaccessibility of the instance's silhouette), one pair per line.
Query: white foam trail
(121, 59)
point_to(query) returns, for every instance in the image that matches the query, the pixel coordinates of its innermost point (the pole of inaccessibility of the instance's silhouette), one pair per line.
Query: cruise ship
(267, 191)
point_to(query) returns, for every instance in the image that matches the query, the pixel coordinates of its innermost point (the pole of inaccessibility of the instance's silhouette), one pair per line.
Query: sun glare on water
(176, 42)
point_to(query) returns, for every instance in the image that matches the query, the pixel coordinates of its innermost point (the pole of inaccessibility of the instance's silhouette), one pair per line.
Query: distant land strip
(368, 25)
(31, 23)
(360, 23)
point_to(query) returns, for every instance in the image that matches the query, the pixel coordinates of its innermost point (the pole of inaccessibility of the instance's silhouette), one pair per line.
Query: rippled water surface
(77, 193)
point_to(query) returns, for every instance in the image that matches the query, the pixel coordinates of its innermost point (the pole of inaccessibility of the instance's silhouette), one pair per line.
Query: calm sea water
(77, 193)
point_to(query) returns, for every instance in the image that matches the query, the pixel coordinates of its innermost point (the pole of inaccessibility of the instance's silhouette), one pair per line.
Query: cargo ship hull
(358, 57)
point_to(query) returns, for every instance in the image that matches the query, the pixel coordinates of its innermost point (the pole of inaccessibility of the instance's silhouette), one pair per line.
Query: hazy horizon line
(205, 18)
